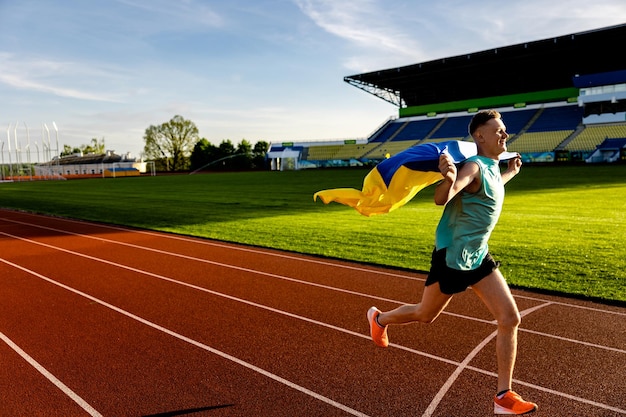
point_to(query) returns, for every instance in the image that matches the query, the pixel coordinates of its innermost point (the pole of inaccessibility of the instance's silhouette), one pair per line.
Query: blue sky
(240, 69)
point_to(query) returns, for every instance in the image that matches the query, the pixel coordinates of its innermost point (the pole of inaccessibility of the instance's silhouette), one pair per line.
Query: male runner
(473, 197)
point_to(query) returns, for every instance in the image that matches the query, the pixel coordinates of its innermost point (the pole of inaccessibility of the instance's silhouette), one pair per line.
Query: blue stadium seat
(515, 121)
(416, 130)
(454, 127)
(558, 118)
(387, 132)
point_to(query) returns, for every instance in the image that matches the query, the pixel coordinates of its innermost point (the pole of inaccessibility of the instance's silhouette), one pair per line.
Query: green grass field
(562, 229)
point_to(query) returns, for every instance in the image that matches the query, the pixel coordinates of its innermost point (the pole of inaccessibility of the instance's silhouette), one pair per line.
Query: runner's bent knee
(510, 319)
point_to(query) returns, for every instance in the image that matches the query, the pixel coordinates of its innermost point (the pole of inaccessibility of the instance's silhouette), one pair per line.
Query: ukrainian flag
(395, 181)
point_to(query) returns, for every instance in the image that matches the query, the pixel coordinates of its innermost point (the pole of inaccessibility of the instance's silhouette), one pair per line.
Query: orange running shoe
(512, 403)
(378, 333)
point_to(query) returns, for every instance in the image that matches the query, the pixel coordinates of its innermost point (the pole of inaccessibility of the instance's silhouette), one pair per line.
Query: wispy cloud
(511, 22)
(366, 25)
(383, 35)
(54, 77)
(26, 84)
(184, 15)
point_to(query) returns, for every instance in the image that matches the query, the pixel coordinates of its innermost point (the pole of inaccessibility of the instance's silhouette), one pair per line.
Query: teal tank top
(469, 218)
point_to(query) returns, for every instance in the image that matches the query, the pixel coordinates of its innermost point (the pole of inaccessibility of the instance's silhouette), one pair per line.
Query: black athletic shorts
(452, 281)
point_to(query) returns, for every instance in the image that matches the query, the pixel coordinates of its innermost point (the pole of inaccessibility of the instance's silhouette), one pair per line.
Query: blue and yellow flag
(395, 181)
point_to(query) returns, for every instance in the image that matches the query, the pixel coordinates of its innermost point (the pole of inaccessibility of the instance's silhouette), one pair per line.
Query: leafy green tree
(259, 153)
(67, 150)
(96, 147)
(227, 156)
(242, 157)
(203, 154)
(260, 148)
(171, 142)
(226, 148)
(244, 148)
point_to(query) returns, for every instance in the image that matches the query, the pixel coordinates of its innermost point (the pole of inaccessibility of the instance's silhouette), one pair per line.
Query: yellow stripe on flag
(376, 197)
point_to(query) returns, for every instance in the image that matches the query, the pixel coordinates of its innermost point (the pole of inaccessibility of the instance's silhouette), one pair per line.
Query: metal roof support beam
(388, 95)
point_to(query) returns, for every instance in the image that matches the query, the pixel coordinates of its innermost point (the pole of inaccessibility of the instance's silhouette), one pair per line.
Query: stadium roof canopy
(511, 71)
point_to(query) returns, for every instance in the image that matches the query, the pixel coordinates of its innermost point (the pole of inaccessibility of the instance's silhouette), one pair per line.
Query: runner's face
(492, 138)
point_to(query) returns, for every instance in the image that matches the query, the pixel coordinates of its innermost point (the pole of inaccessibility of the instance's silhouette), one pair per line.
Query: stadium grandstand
(562, 99)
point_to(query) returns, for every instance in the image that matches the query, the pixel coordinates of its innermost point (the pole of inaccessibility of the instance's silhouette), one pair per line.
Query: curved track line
(193, 342)
(50, 377)
(453, 377)
(463, 365)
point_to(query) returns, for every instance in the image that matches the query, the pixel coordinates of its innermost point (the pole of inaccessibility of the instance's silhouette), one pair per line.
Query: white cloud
(368, 26)
(384, 35)
(181, 15)
(465, 27)
(19, 82)
(59, 78)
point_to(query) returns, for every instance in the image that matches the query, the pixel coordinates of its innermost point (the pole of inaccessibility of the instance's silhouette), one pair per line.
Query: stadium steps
(380, 129)
(374, 153)
(435, 129)
(392, 147)
(526, 127)
(570, 138)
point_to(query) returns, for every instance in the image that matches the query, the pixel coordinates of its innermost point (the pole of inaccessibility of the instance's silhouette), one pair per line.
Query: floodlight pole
(9, 151)
(57, 140)
(17, 155)
(30, 168)
(49, 152)
(43, 147)
(2, 155)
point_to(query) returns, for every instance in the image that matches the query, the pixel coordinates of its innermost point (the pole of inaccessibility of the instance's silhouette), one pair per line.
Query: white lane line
(308, 320)
(186, 257)
(271, 275)
(66, 390)
(453, 377)
(515, 381)
(575, 306)
(529, 310)
(193, 342)
(463, 365)
(232, 246)
(619, 411)
(578, 342)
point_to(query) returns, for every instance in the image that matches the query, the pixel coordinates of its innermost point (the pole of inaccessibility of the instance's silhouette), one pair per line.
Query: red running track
(102, 320)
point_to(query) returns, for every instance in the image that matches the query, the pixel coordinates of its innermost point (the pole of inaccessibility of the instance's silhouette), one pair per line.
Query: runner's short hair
(481, 118)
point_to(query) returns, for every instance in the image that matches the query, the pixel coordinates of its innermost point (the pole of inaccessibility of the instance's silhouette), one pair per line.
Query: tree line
(176, 146)
(96, 146)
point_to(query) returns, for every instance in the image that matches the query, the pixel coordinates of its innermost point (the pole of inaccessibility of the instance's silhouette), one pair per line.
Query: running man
(473, 197)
